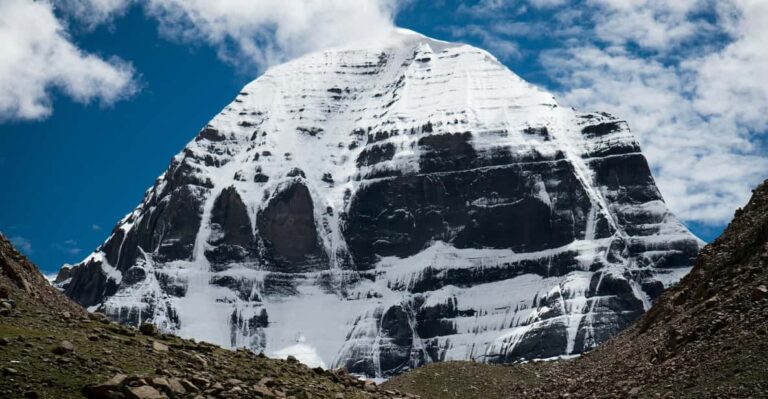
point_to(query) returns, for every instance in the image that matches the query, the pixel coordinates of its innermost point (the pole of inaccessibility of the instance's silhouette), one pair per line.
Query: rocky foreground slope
(52, 348)
(706, 337)
(386, 207)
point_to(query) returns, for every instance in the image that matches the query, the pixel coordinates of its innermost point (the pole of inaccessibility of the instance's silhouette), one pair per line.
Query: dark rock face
(287, 226)
(232, 236)
(446, 152)
(89, 285)
(401, 216)
(396, 356)
(387, 212)
(64, 274)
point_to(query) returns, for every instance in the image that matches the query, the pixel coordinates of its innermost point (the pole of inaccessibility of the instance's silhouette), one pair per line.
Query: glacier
(385, 207)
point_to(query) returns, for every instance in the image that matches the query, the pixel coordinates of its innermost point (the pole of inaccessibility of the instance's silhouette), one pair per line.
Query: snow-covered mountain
(385, 207)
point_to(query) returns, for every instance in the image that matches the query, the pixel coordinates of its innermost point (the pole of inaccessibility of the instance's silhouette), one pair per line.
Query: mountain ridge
(420, 198)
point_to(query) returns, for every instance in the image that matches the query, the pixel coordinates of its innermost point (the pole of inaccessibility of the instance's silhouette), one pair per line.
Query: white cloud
(656, 24)
(252, 34)
(266, 32)
(500, 47)
(95, 227)
(23, 244)
(69, 247)
(701, 117)
(732, 84)
(39, 58)
(704, 166)
(689, 76)
(547, 3)
(92, 13)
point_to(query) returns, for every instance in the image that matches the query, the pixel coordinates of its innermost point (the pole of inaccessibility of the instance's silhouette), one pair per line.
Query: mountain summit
(381, 208)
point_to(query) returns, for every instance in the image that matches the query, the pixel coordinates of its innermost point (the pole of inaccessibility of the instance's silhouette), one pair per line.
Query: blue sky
(690, 78)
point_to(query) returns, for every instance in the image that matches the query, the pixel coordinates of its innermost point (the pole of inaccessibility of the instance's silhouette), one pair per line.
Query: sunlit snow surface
(398, 85)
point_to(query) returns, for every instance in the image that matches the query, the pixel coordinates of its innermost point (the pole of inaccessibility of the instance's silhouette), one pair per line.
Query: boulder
(103, 391)
(159, 346)
(63, 348)
(144, 392)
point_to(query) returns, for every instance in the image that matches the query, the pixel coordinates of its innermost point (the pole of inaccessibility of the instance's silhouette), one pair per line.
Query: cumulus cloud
(655, 24)
(39, 58)
(688, 75)
(270, 31)
(253, 34)
(92, 13)
(704, 165)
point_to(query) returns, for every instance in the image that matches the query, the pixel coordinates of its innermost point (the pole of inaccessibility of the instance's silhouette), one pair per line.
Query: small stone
(135, 381)
(634, 391)
(102, 391)
(118, 379)
(176, 387)
(200, 360)
(292, 359)
(370, 386)
(268, 382)
(189, 386)
(4, 341)
(159, 346)
(10, 371)
(759, 293)
(63, 348)
(144, 392)
(66, 315)
(160, 383)
(200, 382)
(263, 391)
